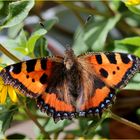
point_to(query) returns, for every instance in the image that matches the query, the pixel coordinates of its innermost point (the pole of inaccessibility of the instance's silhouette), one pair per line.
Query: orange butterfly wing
(53, 106)
(31, 76)
(59, 109)
(100, 101)
(115, 69)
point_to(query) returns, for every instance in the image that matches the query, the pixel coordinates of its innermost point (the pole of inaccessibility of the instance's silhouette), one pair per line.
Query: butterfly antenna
(89, 19)
(42, 25)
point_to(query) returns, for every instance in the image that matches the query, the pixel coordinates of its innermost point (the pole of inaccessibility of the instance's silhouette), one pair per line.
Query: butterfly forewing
(30, 77)
(115, 69)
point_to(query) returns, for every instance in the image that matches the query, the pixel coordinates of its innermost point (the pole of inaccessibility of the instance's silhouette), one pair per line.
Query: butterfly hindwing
(101, 99)
(115, 69)
(59, 108)
(30, 77)
(53, 106)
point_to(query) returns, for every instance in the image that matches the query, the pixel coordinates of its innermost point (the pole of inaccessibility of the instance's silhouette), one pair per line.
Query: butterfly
(71, 86)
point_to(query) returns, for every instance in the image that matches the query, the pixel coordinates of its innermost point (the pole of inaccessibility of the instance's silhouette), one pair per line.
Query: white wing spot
(130, 57)
(11, 68)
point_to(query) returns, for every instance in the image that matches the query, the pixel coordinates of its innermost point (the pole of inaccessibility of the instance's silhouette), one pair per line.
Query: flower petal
(12, 94)
(1, 68)
(1, 81)
(3, 95)
(1, 87)
(132, 2)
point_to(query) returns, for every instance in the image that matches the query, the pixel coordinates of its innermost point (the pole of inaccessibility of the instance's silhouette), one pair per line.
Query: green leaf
(134, 83)
(40, 47)
(119, 47)
(18, 11)
(131, 45)
(21, 41)
(79, 45)
(3, 9)
(1, 4)
(10, 54)
(2, 65)
(83, 123)
(137, 52)
(32, 40)
(53, 127)
(6, 116)
(94, 35)
(138, 112)
(20, 47)
(133, 86)
(2, 136)
(40, 136)
(74, 132)
(14, 30)
(135, 9)
(16, 46)
(134, 41)
(48, 24)
(115, 4)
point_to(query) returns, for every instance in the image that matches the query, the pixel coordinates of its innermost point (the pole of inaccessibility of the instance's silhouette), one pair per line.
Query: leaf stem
(124, 121)
(10, 55)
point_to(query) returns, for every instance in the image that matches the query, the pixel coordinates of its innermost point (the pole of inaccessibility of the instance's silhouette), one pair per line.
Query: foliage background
(85, 26)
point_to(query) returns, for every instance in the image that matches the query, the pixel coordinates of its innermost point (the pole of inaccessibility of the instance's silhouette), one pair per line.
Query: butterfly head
(69, 58)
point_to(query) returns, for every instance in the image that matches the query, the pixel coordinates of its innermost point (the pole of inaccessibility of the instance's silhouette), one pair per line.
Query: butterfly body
(73, 86)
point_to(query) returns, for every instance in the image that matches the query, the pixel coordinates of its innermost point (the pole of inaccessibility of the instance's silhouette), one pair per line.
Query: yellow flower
(7, 90)
(132, 2)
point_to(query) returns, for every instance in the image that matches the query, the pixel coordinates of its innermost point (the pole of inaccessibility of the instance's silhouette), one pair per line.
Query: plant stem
(93, 126)
(123, 25)
(56, 134)
(36, 122)
(71, 5)
(10, 55)
(106, 3)
(124, 121)
(81, 21)
(33, 118)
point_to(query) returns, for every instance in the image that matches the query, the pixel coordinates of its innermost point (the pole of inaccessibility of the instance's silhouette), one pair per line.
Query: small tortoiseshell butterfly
(73, 86)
